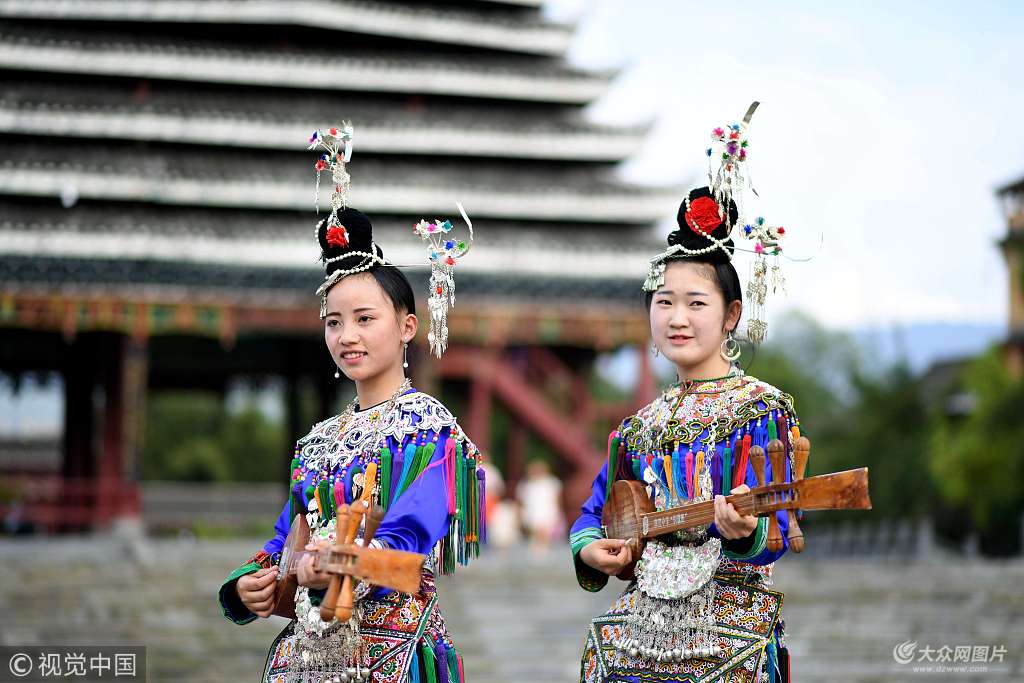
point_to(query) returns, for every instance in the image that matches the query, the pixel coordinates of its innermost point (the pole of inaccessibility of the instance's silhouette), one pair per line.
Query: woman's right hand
(607, 555)
(256, 591)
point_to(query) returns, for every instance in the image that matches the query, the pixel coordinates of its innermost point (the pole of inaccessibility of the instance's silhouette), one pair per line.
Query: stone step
(513, 619)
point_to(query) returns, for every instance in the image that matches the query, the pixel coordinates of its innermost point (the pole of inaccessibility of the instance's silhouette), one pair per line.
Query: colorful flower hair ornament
(767, 242)
(336, 144)
(444, 252)
(729, 147)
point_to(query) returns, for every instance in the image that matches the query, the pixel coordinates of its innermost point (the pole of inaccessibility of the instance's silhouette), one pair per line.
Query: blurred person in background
(540, 496)
(502, 513)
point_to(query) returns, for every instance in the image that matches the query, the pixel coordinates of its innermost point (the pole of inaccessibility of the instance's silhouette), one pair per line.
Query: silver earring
(730, 350)
(336, 374)
(655, 350)
(405, 351)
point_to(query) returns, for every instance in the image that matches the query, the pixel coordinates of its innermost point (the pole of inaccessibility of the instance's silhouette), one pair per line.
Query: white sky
(885, 127)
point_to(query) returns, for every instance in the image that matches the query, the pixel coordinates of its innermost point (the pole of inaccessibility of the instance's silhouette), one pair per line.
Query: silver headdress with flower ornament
(336, 146)
(443, 249)
(709, 215)
(767, 240)
(730, 143)
(444, 252)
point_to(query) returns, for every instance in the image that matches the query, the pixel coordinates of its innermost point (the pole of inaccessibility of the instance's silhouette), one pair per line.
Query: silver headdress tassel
(444, 251)
(729, 143)
(336, 144)
(768, 240)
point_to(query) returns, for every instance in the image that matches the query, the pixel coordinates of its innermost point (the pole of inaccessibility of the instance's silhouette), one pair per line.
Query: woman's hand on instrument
(308, 576)
(607, 555)
(256, 591)
(730, 523)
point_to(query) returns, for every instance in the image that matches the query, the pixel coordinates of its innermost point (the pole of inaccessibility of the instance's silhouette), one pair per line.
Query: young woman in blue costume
(425, 472)
(700, 607)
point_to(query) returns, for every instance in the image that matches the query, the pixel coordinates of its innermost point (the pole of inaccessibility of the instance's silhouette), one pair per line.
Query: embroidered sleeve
(586, 529)
(433, 488)
(231, 605)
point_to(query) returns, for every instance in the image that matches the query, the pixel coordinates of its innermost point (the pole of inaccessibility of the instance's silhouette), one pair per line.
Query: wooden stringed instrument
(346, 561)
(629, 513)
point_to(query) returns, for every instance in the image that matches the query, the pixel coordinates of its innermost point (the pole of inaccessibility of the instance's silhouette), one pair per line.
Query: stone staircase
(515, 619)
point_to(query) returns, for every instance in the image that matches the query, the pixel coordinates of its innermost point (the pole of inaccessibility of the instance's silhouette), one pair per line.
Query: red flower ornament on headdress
(703, 216)
(337, 236)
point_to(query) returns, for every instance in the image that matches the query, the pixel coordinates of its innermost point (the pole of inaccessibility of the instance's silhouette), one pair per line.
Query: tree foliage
(856, 413)
(191, 437)
(977, 459)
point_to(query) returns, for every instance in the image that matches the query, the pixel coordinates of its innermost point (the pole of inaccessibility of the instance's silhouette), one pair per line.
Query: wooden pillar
(124, 380)
(136, 389)
(111, 452)
(79, 381)
(481, 401)
(582, 406)
(79, 465)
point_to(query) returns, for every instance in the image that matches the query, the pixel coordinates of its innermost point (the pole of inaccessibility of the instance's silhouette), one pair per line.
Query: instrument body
(287, 579)
(623, 516)
(395, 569)
(629, 513)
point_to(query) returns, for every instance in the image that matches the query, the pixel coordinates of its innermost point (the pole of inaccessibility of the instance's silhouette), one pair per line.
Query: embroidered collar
(335, 441)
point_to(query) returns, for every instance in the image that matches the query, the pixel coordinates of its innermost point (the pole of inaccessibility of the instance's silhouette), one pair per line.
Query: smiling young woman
(393, 447)
(699, 607)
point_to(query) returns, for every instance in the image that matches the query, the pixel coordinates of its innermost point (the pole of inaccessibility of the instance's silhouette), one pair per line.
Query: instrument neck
(692, 515)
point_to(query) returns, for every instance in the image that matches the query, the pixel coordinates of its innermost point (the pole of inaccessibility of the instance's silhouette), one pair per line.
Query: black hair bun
(351, 232)
(699, 217)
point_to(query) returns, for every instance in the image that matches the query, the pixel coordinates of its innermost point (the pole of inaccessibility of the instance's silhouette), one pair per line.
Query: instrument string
(700, 514)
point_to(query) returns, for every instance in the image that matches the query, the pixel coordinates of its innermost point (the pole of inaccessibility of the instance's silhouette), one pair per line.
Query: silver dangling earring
(730, 350)
(654, 349)
(337, 374)
(405, 351)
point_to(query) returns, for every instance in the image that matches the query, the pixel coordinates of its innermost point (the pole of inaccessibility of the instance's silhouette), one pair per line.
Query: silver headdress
(336, 144)
(444, 252)
(710, 216)
(731, 178)
(336, 151)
